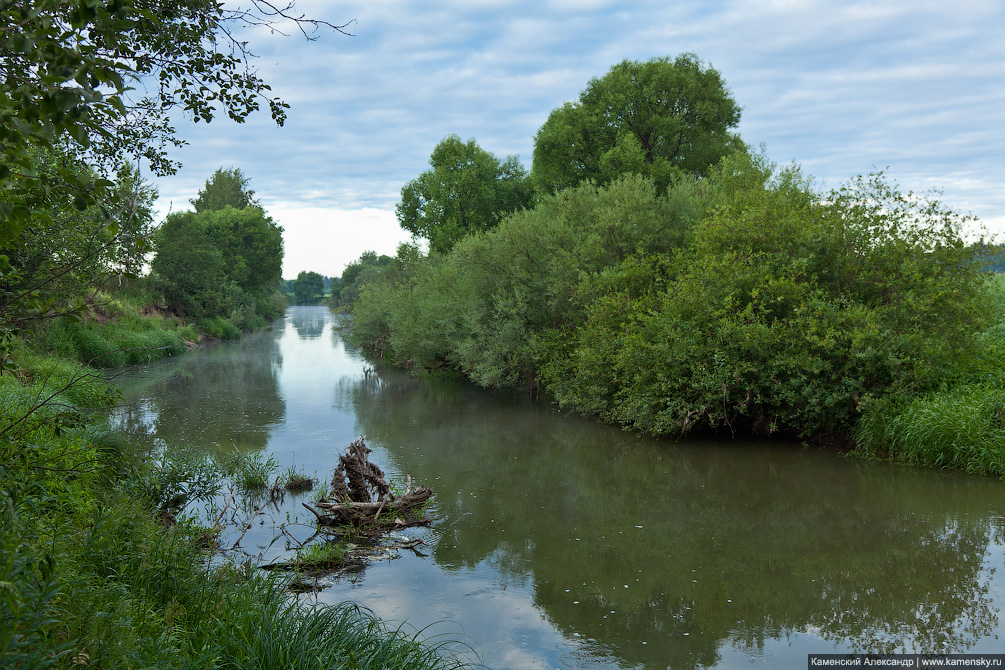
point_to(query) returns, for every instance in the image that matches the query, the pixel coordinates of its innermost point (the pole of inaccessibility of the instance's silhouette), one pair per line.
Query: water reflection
(225, 397)
(666, 553)
(309, 324)
(560, 542)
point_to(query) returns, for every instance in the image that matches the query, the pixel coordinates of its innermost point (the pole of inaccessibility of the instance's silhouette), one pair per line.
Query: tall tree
(308, 287)
(226, 188)
(655, 118)
(188, 267)
(251, 244)
(468, 189)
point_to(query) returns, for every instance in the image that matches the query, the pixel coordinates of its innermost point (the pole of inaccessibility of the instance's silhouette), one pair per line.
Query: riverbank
(98, 571)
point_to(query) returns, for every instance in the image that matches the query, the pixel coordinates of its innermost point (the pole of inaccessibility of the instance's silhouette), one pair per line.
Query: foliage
(223, 262)
(653, 118)
(355, 276)
(86, 86)
(743, 301)
(961, 425)
(226, 188)
(499, 303)
(308, 288)
(785, 312)
(467, 190)
(56, 257)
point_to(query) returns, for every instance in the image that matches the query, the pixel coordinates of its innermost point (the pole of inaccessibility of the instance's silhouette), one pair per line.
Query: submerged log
(416, 497)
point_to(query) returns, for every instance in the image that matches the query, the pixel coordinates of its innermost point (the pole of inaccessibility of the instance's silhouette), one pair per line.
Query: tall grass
(962, 428)
(962, 425)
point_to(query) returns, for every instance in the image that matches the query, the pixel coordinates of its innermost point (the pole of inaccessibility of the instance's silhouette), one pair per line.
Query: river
(560, 543)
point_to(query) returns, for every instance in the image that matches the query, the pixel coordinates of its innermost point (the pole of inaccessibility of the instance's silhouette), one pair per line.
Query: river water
(560, 543)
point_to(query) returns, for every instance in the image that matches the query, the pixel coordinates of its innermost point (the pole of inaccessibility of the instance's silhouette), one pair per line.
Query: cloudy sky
(842, 87)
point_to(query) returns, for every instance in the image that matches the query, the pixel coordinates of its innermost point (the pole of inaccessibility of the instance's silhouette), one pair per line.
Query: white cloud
(326, 240)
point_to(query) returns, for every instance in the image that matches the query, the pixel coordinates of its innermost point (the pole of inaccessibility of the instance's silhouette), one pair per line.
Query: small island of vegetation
(656, 273)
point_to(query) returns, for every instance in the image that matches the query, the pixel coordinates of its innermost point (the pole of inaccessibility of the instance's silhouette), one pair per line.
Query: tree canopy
(97, 84)
(468, 189)
(226, 188)
(308, 287)
(652, 118)
(220, 262)
(744, 301)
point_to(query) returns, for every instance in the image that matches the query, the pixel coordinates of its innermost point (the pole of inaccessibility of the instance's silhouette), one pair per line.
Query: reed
(961, 428)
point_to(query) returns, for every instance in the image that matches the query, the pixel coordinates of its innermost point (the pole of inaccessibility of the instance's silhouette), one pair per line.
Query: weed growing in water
(251, 472)
(296, 481)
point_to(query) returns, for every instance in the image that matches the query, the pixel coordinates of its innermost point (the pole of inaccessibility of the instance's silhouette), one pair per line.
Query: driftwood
(355, 485)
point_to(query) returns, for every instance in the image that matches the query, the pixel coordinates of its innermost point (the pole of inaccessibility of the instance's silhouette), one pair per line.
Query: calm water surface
(559, 543)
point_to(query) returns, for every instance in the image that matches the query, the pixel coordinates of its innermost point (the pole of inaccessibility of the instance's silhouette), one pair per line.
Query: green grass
(962, 428)
(250, 473)
(296, 481)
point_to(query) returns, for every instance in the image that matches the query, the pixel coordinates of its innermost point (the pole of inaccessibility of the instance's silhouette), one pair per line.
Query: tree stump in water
(360, 494)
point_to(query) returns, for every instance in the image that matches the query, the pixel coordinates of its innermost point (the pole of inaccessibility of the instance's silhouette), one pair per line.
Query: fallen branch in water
(355, 483)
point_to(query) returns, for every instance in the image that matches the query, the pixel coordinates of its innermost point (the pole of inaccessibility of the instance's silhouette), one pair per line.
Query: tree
(308, 288)
(66, 250)
(98, 82)
(224, 262)
(225, 188)
(355, 276)
(467, 190)
(188, 267)
(251, 245)
(654, 118)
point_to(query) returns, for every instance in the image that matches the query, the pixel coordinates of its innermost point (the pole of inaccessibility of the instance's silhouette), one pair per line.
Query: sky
(840, 87)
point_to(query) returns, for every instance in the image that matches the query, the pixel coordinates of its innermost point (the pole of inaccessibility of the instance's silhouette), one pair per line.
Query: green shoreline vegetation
(667, 279)
(99, 566)
(649, 270)
(97, 570)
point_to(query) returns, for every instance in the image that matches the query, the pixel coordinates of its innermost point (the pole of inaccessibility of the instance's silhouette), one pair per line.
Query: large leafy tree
(308, 287)
(188, 267)
(655, 118)
(466, 190)
(215, 262)
(252, 247)
(355, 277)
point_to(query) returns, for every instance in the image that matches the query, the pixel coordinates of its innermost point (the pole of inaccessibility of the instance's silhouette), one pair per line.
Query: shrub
(784, 312)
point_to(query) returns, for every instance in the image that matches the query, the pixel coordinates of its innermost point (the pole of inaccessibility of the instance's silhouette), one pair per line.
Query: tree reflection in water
(224, 398)
(666, 552)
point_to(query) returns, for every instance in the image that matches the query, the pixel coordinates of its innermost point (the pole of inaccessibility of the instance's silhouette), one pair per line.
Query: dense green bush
(744, 301)
(494, 307)
(783, 312)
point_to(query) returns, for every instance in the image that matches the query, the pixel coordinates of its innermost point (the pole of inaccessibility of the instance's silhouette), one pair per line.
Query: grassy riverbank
(93, 569)
(961, 425)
